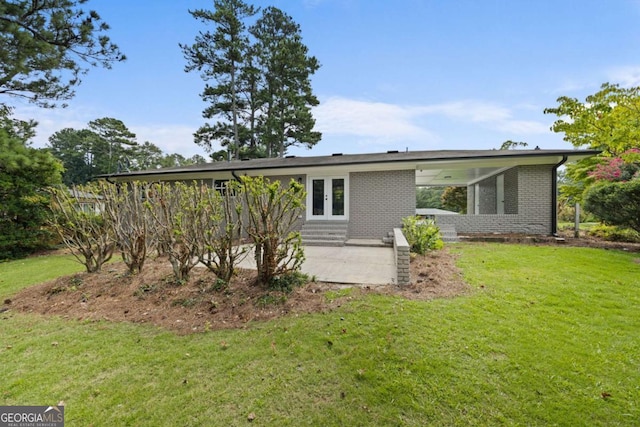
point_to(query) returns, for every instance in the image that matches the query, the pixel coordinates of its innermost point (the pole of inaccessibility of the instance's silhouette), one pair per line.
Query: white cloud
(171, 138)
(470, 110)
(625, 76)
(382, 123)
(52, 120)
(376, 122)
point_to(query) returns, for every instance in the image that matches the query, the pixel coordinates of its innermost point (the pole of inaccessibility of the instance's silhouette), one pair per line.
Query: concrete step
(372, 243)
(315, 242)
(448, 233)
(321, 236)
(321, 233)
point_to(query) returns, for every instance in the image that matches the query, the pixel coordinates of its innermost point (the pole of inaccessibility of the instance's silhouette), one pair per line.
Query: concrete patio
(345, 264)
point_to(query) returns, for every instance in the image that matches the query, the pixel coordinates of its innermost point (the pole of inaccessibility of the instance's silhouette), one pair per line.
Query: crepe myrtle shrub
(272, 210)
(176, 210)
(126, 213)
(78, 218)
(220, 222)
(615, 203)
(422, 234)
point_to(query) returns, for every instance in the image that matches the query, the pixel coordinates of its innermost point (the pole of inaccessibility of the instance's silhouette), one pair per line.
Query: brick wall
(401, 250)
(488, 196)
(532, 188)
(511, 191)
(379, 200)
(471, 199)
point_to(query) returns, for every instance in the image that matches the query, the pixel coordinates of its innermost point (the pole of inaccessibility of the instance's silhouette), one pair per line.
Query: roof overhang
(433, 168)
(469, 171)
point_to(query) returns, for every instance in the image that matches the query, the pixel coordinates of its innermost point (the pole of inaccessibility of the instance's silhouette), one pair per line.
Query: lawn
(549, 336)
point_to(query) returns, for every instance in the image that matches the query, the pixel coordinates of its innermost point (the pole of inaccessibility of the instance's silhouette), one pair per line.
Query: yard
(546, 335)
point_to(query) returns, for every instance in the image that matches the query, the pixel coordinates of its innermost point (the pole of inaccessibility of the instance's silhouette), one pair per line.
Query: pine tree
(45, 46)
(286, 96)
(220, 56)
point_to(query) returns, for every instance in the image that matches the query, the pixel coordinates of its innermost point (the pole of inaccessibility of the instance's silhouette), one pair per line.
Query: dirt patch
(203, 303)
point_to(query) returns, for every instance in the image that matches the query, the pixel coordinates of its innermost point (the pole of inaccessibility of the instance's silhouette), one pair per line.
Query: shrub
(288, 282)
(125, 211)
(24, 173)
(272, 211)
(422, 235)
(615, 203)
(614, 233)
(85, 232)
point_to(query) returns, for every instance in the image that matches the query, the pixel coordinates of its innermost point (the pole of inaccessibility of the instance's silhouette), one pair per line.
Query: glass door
(327, 198)
(317, 198)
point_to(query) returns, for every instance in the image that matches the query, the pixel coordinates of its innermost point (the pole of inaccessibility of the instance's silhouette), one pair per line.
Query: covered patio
(506, 193)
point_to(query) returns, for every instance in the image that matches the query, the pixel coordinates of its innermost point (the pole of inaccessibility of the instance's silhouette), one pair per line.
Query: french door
(327, 198)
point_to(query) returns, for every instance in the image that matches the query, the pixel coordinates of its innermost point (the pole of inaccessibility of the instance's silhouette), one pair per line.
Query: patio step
(324, 233)
(448, 233)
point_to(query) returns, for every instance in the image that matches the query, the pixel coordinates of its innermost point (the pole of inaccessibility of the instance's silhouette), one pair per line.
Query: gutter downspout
(233, 173)
(554, 196)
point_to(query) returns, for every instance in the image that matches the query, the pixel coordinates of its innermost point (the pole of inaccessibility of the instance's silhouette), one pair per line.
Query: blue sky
(395, 75)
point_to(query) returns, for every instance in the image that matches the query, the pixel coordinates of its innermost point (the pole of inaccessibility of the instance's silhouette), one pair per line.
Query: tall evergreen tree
(285, 96)
(219, 57)
(114, 147)
(262, 98)
(73, 148)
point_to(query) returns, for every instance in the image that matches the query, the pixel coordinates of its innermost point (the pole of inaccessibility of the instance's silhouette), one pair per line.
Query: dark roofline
(348, 160)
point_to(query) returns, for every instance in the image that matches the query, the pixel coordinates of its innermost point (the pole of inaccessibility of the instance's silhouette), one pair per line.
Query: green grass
(15, 275)
(549, 336)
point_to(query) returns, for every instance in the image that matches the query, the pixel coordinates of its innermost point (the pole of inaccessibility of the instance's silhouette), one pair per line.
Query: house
(87, 202)
(364, 196)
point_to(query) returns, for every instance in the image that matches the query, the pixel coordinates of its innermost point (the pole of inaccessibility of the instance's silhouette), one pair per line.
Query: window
(221, 186)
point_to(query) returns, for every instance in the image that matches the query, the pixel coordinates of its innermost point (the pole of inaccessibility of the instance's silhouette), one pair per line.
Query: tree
(106, 147)
(285, 97)
(73, 148)
(219, 56)
(46, 46)
(455, 199)
(16, 128)
(606, 120)
(175, 213)
(25, 172)
(221, 228)
(144, 156)
(175, 160)
(114, 147)
(429, 197)
(262, 98)
(512, 145)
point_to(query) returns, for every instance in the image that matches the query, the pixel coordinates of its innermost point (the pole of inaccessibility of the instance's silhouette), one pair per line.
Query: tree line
(107, 146)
